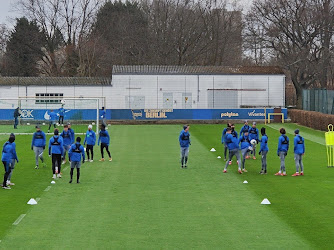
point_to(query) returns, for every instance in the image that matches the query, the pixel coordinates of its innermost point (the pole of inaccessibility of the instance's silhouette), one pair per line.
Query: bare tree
(194, 32)
(64, 22)
(294, 32)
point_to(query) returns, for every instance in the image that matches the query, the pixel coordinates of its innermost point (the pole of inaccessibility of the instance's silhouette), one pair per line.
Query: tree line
(87, 37)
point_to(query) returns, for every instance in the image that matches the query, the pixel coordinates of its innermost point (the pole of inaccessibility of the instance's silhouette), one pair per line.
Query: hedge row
(311, 119)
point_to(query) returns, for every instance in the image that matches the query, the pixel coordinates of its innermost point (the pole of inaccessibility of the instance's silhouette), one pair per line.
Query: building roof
(55, 81)
(194, 70)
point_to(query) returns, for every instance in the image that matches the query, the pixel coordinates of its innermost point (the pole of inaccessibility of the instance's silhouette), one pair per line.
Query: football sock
(78, 174)
(186, 160)
(71, 173)
(182, 160)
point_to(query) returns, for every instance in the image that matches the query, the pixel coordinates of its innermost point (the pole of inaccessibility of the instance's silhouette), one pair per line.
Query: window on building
(49, 98)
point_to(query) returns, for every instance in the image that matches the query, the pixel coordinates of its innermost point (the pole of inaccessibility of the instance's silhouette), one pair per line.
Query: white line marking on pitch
(47, 189)
(19, 219)
(65, 168)
(306, 135)
(38, 199)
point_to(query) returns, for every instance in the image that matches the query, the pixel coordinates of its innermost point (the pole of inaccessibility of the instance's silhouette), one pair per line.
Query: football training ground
(144, 200)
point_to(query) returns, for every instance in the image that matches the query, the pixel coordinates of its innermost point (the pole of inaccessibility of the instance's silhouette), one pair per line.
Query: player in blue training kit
(71, 132)
(245, 128)
(245, 147)
(76, 151)
(235, 135)
(263, 151)
(61, 113)
(38, 145)
(299, 150)
(90, 139)
(184, 140)
(56, 150)
(67, 142)
(233, 147)
(8, 157)
(254, 135)
(52, 119)
(223, 140)
(103, 117)
(105, 140)
(282, 151)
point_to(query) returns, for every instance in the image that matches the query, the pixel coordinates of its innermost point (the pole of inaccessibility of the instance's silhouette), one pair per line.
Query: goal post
(278, 114)
(36, 109)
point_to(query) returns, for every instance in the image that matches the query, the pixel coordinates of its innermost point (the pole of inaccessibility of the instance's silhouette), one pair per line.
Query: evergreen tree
(24, 49)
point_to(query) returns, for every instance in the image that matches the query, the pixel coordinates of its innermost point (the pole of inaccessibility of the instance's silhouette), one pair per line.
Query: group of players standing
(59, 144)
(246, 144)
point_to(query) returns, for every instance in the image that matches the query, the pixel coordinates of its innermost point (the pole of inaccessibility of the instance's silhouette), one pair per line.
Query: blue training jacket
(53, 116)
(244, 129)
(299, 145)
(253, 134)
(103, 137)
(38, 139)
(184, 139)
(231, 142)
(245, 142)
(61, 112)
(9, 152)
(72, 135)
(223, 135)
(76, 151)
(283, 144)
(103, 114)
(56, 145)
(67, 137)
(90, 138)
(264, 144)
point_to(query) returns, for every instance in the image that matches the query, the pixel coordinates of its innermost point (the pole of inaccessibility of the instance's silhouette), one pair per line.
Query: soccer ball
(63, 102)
(253, 141)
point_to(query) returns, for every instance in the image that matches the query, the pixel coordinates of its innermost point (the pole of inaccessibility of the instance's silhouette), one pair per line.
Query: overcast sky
(5, 11)
(7, 15)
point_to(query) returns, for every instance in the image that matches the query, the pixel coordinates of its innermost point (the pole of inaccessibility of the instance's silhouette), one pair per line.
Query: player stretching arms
(299, 150)
(233, 147)
(282, 151)
(75, 152)
(263, 151)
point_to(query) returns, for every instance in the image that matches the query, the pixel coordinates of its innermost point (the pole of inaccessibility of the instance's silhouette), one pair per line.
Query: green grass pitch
(144, 200)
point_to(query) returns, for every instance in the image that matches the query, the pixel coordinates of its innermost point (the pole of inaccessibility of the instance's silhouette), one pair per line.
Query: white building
(156, 87)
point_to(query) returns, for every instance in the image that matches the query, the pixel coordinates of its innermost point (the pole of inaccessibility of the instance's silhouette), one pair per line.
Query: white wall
(161, 91)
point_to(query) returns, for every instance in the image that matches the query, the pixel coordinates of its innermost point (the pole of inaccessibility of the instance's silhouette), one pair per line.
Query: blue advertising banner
(191, 114)
(43, 114)
(146, 114)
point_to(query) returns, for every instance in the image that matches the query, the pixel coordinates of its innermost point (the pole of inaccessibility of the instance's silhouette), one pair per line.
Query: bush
(311, 119)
